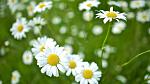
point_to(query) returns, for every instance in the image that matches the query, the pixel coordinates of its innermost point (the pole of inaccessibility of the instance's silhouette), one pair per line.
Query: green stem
(134, 58)
(106, 37)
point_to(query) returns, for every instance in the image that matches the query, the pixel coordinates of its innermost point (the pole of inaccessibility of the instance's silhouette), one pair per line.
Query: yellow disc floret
(72, 64)
(111, 15)
(87, 74)
(41, 5)
(53, 59)
(20, 28)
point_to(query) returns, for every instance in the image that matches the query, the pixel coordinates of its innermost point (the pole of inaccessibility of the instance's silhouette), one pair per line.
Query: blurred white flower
(6, 43)
(87, 5)
(143, 16)
(118, 27)
(15, 78)
(15, 5)
(147, 77)
(88, 15)
(123, 4)
(130, 15)
(97, 30)
(19, 28)
(52, 61)
(68, 49)
(122, 79)
(30, 8)
(61, 6)
(72, 63)
(104, 63)
(70, 14)
(115, 3)
(36, 23)
(41, 44)
(63, 29)
(82, 34)
(148, 68)
(88, 74)
(1, 82)
(56, 20)
(135, 4)
(2, 51)
(69, 40)
(74, 30)
(27, 57)
(42, 6)
(81, 54)
(110, 15)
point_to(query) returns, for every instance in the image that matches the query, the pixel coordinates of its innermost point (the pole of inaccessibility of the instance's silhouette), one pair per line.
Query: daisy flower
(88, 15)
(72, 63)
(30, 8)
(15, 77)
(97, 30)
(19, 28)
(37, 23)
(41, 44)
(118, 27)
(88, 74)
(87, 5)
(137, 4)
(42, 6)
(52, 61)
(110, 15)
(27, 57)
(143, 16)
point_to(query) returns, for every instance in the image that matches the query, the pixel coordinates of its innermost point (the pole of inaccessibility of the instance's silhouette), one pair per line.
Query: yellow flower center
(111, 15)
(87, 74)
(72, 64)
(89, 5)
(20, 28)
(41, 5)
(13, 78)
(53, 59)
(42, 48)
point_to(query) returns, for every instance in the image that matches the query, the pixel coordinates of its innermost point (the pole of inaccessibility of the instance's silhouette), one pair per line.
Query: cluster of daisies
(22, 26)
(53, 60)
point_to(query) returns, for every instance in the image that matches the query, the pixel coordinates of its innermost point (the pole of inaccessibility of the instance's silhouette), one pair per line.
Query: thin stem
(134, 58)
(106, 37)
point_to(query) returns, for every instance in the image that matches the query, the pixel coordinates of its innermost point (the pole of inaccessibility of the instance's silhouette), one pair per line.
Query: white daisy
(110, 15)
(118, 27)
(130, 15)
(42, 6)
(56, 20)
(30, 8)
(1, 82)
(68, 49)
(41, 44)
(137, 4)
(122, 79)
(15, 78)
(143, 16)
(88, 15)
(87, 5)
(52, 61)
(19, 28)
(36, 23)
(88, 74)
(72, 63)
(97, 30)
(27, 57)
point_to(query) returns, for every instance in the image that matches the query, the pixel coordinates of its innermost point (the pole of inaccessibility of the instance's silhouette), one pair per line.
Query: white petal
(111, 9)
(61, 68)
(94, 66)
(105, 20)
(55, 71)
(68, 72)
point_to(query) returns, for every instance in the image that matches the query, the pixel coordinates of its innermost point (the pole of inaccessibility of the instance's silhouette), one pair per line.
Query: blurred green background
(133, 40)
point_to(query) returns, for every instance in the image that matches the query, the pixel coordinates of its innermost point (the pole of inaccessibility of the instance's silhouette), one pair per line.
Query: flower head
(87, 5)
(110, 15)
(19, 28)
(88, 74)
(15, 77)
(42, 6)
